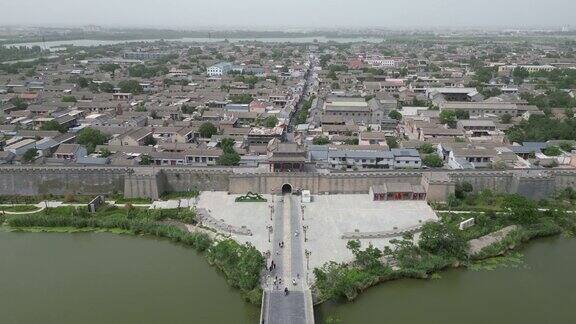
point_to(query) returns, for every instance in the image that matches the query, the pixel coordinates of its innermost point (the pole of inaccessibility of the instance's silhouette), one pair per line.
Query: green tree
(566, 146)
(521, 210)
(69, 99)
(145, 159)
(441, 239)
(187, 109)
(229, 159)
(105, 152)
(395, 114)
(552, 151)
(426, 148)
(520, 74)
(83, 82)
(30, 155)
(462, 189)
(142, 71)
(130, 86)
(149, 141)
(53, 125)
(392, 142)
(332, 75)
(462, 114)
(320, 140)
(206, 130)
(484, 74)
(433, 161)
(109, 67)
(106, 87)
(448, 117)
(19, 103)
(271, 121)
(227, 145)
(506, 119)
(90, 138)
(244, 98)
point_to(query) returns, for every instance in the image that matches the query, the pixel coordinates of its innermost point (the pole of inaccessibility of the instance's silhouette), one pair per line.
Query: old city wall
(183, 179)
(152, 182)
(29, 181)
(499, 181)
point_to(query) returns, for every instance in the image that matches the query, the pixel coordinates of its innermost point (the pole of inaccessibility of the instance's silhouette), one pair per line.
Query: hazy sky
(290, 13)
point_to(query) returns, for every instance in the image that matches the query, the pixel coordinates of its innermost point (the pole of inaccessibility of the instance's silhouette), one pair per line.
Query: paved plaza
(328, 217)
(254, 215)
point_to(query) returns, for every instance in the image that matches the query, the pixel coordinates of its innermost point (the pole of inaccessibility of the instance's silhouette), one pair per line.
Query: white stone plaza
(327, 217)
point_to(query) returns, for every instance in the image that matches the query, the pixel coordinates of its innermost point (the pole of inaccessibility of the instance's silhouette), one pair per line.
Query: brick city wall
(152, 182)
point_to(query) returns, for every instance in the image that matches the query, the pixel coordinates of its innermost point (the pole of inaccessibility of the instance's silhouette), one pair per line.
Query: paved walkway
(168, 204)
(295, 307)
(477, 245)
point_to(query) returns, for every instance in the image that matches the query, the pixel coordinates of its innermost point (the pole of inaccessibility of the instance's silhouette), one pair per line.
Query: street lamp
(269, 232)
(305, 228)
(307, 252)
(271, 211)
(302, 208)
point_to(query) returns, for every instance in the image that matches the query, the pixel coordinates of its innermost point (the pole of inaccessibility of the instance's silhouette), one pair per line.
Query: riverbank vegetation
(240, 264)
(443, 244)
(78, 199)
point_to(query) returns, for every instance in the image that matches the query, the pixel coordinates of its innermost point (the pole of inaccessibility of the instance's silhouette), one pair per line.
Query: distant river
(89, 42)
(107, 278)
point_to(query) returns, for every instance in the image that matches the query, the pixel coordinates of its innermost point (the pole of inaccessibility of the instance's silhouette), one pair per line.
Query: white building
(219, 69)
(383, 62)
(506, 69)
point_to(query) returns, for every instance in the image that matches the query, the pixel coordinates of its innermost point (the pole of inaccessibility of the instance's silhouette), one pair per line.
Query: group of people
(272, 266)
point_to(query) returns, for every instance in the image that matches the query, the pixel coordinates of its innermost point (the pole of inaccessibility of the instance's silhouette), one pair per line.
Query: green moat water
(108, 278)
(539, 290)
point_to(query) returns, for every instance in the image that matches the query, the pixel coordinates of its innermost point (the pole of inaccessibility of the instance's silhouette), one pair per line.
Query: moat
(98, 277)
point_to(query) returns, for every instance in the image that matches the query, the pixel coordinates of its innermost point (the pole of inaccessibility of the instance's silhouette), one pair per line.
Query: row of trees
(543, 128)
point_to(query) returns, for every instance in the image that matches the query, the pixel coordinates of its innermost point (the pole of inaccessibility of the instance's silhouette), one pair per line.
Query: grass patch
(30, 200)
(180, 195)
(119, 199)
(19, 208)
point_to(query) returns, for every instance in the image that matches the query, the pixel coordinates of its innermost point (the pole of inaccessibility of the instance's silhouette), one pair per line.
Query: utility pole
(305, 228)
(307, 252)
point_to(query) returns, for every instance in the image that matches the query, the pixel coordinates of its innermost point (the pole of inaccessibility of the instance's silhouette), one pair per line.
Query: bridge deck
(295, 307)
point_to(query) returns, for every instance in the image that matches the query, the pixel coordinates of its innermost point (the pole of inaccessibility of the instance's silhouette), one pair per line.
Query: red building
(397, 191)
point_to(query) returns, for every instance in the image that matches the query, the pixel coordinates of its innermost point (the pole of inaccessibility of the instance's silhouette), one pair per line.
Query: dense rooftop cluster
(398, 104)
